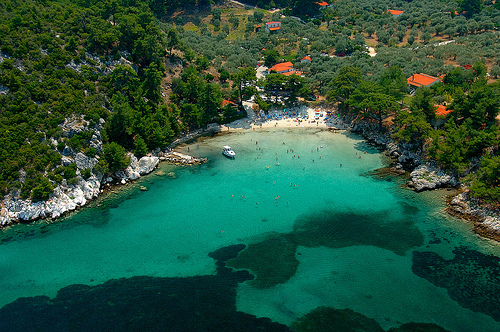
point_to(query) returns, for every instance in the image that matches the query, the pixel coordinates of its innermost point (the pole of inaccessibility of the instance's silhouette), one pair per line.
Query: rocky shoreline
(69, 197)
(427, 176)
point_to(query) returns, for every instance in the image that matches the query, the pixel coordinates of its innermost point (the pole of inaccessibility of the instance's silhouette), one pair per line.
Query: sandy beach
(299, 117)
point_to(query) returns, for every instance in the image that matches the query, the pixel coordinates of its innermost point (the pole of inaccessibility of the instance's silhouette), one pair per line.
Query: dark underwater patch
(330, 319)
(327, 319)
(334, 229)
(418, 327)
(201, 303)
(471, 278)
(272, 261)
(408, 209)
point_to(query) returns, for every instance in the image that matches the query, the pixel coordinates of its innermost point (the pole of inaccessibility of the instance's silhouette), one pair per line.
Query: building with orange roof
(273, 26)
(322, 4)
(285, 68)
(395, 13)
(294, 72)
(307, 58)
(228, 102)
(281, 68)
(418, 80)
(442, 111)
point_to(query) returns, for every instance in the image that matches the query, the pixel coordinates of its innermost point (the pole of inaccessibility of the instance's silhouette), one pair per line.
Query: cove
(313, 229)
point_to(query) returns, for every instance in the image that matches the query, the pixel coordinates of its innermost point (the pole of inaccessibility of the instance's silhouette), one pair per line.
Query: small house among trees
(273, 26)
(417, 80)
(228, 102)
(285, 68)
(322, 5)
(442, 111)
(306, 59)
(395, 13)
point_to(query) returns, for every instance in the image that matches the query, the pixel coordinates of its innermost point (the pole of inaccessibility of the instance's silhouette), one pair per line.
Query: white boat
(228, 152)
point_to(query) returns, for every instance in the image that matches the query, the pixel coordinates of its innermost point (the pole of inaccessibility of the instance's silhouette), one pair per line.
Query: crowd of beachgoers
(298, 116)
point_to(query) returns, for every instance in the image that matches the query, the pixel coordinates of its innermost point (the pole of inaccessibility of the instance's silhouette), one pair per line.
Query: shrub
(42, 190)
(86, 173)
(115, 157)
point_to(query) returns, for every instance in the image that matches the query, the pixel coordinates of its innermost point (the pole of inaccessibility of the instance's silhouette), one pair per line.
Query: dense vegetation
(153, 69)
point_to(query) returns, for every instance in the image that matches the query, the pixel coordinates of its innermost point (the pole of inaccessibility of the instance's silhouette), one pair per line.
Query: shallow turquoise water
(364, 261)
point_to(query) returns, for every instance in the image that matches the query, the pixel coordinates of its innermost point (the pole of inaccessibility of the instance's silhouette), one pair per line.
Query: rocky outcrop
(137, 168)
(63, 200)
(179, 158)
(78, 124)
(427, 177)
(84, 162)
(486, 220)
(423, 176)
(404, 153)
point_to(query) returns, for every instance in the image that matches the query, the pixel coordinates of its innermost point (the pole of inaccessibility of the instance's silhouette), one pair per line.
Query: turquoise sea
(297, 221)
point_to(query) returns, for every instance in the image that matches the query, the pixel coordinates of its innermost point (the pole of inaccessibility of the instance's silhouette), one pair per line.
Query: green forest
(156, 69)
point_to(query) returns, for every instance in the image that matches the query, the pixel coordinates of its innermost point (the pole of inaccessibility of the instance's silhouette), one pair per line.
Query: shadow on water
(274, 261)
(201, 303)
(471, 278)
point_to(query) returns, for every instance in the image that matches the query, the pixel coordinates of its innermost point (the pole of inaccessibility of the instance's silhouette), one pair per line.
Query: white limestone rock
(147, 164)
(493, 223)
(91, 187)
(84, 162)
(133, 160)
(66, 161)
(426, 177)
(131, 173)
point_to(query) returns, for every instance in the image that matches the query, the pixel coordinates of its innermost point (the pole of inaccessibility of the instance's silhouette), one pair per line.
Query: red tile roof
(282, 67)
(323, 3)
(272, 22)
(307, 57)
(275, 28)
(395, 12)
(227, 102)
(422, 80)
(442, 111)
(293, 72)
